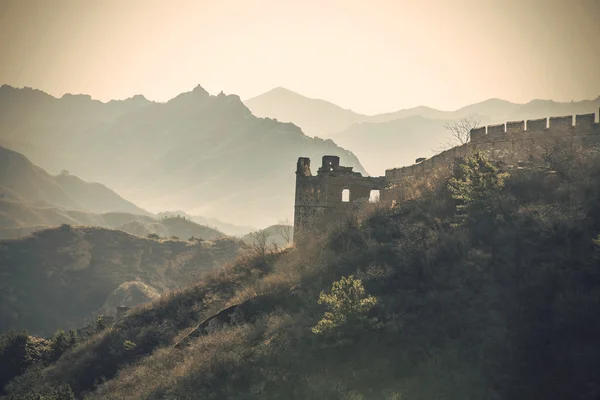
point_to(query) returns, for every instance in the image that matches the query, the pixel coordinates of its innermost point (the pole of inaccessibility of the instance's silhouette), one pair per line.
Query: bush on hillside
(348, 306)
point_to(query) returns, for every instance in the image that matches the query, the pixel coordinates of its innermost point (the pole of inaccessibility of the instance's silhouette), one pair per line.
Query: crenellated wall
(319, 205)
(511, 142)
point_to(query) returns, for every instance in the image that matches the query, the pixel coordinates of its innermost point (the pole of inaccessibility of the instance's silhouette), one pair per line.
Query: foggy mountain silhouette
(206, 154)
(22, 181)
(31, 200)
(314, 116)
(396, 139)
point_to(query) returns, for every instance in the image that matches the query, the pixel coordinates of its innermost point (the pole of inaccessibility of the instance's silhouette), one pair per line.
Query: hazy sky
(372, 56)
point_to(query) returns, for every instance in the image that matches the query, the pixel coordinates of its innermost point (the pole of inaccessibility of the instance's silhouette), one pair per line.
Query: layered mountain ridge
(205, 154)
(396, 139)
(22, 180)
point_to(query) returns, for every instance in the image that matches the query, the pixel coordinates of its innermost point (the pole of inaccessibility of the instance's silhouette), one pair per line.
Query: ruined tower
(323, 200)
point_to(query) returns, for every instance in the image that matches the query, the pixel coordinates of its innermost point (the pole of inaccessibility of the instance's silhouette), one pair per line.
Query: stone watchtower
(323, 200)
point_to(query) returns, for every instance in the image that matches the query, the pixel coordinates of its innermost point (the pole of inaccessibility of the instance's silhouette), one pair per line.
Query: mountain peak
(74, 97)
(138, 97)
(197, 93)
(281, 91)
(200, 90)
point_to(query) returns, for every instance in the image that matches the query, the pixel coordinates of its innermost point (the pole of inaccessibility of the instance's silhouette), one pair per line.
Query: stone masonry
(319, 201)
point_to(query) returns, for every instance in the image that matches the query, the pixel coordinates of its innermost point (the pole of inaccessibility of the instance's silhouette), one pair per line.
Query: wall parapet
(507, 141)
(583, 124)
(319, 198)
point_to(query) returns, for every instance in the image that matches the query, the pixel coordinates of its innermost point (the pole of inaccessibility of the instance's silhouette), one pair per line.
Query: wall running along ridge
(318, 202)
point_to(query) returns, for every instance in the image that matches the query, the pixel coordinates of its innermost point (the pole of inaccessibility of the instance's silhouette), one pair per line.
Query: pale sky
(371, 56)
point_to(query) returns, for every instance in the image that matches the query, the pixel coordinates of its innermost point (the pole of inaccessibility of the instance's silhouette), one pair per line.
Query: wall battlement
(319, 198)
(559, 125)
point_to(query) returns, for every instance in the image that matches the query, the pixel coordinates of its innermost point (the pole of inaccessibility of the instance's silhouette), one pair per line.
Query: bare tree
(260, 245)
(460, 131)
(285, 229)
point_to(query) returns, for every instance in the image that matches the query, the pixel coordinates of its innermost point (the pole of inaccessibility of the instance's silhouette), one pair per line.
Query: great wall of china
(323, 199)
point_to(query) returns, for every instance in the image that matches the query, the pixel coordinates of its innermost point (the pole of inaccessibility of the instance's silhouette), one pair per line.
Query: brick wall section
(511, 142)
(318, 202)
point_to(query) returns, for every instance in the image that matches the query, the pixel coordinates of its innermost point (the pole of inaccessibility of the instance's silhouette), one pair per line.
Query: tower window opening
(374, 196)
(345, 195)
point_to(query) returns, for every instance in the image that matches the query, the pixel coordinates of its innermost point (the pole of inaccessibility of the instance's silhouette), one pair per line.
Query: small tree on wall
(459, 132)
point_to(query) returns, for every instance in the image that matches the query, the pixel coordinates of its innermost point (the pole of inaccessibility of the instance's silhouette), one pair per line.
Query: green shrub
(129, 345)
(475, 180)
(348, 306)
(61, 342)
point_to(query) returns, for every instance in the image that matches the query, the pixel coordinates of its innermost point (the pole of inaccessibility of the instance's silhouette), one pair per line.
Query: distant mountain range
(31, 200)
(22, 181)
(395, 139)
(315, 117)
(208, 155)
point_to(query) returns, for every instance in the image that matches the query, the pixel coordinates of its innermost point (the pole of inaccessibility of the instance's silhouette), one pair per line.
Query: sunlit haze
(371, 56)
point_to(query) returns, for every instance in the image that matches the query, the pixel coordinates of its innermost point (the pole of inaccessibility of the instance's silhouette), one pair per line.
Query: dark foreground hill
(207, 155)
(483, 286)
(56, 278)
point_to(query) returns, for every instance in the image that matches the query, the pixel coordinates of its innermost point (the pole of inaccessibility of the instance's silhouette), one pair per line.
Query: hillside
(485, 286)
(280, 236)
(227, 228)
(22, 181)
(57, 278)
(19, 219)
(205, 154)
(169, 227)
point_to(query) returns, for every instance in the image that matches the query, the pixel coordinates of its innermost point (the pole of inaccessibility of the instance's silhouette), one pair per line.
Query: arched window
(374, 196)
(346, 195)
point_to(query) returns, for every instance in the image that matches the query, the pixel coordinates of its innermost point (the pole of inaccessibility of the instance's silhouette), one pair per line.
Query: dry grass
(168, 367)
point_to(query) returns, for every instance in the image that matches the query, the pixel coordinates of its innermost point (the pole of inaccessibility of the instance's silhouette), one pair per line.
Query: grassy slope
(502, 306)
